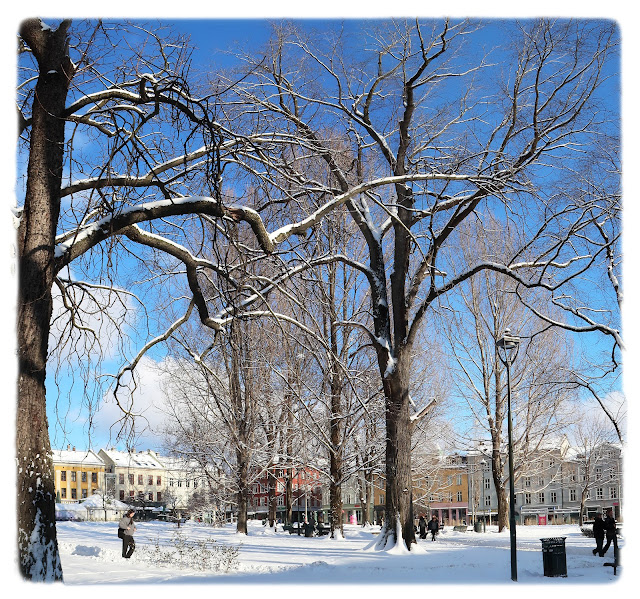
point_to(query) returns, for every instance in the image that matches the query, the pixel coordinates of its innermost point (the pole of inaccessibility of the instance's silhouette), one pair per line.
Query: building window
(573, 477)
(140, 478)
(459, 479)
(63, 492)
(84, 493)
(121, 494)
(541, 497)
(83, 477)
(159, 496)
(94, 477)
(598, 473)
(73, 476)
(572, 495)
(150, 495)
(159, 480)
(121, 479)
(487, 501)
(188, 483)
(599, 493)
(141, 495)
(63, 475)
(150, 480)
(613, 493)
(527, 481)
(554, 497)
(74, 494)
(132, 494)
(552, 463)
(130, 476)
(171, 481)
(541, 482)
(179, 482)
(459, 496)
(381, 500)
(487, 483)
(195, 483)
(280, 499)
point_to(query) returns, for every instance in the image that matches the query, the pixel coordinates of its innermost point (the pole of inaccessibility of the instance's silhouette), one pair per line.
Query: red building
(306, 494)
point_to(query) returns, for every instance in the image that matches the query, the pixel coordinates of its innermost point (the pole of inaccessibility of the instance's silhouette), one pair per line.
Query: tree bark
(37, 545)
(399, 497)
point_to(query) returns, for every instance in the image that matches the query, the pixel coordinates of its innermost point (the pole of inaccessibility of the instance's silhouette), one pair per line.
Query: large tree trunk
(37, 545)
(399, 497)
(272, 483)
(335, 494)
(500, 486)
(243, 491)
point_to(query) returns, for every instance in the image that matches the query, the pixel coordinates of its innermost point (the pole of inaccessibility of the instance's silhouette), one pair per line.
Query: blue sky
(209, 36)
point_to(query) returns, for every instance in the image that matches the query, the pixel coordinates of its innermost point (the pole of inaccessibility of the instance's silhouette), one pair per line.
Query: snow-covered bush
(198, 554)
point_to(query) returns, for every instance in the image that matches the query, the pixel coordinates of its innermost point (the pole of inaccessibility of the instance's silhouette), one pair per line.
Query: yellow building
(78, 474)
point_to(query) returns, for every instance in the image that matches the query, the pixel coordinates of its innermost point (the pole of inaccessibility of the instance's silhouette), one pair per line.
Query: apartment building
(306, 498)
(78, 474)
(183, 479)
(134, 477)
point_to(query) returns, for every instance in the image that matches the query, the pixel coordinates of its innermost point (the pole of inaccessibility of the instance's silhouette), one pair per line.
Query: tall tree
(445, 135)
(122, 104)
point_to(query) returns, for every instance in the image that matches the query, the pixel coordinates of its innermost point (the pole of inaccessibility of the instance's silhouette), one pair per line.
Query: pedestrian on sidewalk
(422, 526)
(433, 527)
(598, 533)
(610, 531)
(126, 528)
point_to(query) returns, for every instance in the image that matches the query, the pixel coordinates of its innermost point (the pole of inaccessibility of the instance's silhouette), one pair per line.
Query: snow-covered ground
(91, 555)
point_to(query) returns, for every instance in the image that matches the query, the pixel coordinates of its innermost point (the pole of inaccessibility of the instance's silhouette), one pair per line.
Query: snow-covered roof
(85, 458)
(134, 459)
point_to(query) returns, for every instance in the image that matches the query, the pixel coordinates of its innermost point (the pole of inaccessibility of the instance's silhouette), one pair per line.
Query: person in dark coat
(422, 526)
(126, 528)
(433, 526)
(610, 531)
(598, 533)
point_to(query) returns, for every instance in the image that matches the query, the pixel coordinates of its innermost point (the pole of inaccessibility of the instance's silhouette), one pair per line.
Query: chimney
(74, 448)
(69, 447)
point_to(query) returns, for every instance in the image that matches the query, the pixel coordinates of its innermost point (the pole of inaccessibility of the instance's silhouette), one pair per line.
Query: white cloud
(145, 399)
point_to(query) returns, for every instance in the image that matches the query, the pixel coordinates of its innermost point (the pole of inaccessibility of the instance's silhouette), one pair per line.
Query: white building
(135, 477)
(183, 479)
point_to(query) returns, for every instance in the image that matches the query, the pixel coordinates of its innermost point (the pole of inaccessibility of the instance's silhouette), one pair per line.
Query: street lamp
(507, 348)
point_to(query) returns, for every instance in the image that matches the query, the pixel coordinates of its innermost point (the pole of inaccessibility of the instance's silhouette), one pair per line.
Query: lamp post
(507, 348)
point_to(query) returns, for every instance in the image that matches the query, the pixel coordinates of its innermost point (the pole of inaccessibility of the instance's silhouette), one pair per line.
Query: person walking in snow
(598, 533)
(433, 527)
(610, 531)
(126, 528)
(422, 526)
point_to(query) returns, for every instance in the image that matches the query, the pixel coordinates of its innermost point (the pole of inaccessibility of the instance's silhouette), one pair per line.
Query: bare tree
(119, 104)
(437, 142)
(443, 137)
(480, 311)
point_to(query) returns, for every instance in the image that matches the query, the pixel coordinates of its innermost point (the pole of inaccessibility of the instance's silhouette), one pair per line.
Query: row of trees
(337, 183)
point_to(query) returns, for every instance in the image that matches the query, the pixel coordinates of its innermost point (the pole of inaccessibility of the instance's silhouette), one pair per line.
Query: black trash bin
(554, 556)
